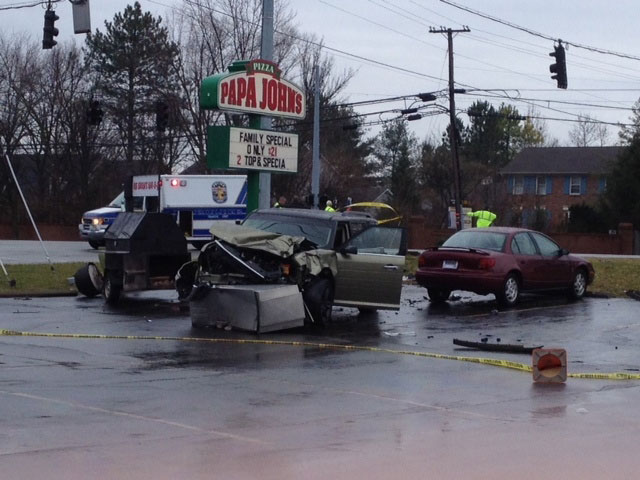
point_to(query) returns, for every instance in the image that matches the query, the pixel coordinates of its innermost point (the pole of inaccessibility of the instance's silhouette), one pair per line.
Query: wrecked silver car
(294, 267)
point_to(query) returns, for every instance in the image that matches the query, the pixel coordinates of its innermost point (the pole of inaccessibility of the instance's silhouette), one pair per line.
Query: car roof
(317, 214)
(501, 229)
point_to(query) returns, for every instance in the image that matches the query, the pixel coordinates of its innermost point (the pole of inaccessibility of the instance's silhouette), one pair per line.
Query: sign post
(256, 88)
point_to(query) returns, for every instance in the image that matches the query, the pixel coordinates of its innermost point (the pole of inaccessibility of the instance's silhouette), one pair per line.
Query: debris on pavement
(495, 347)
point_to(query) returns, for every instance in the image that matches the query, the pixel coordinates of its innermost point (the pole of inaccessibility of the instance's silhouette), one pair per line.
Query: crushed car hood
(245, 237)
(302, 251)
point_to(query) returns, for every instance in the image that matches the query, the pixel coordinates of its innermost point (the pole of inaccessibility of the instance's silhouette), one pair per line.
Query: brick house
(543, 183)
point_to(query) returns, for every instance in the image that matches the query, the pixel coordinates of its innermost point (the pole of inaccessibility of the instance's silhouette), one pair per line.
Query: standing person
(484, 218)
(329, 207)
(282, 201)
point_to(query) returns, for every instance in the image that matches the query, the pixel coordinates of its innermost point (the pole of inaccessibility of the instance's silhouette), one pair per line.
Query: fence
(620, 242)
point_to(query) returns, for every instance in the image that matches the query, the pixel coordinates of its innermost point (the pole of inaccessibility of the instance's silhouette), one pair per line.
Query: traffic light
(49, 31)
(162, 115)
(560, 67)
(95, 113)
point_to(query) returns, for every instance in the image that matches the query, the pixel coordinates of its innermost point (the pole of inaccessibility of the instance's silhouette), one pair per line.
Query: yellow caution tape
(331, 346)
(381, 221)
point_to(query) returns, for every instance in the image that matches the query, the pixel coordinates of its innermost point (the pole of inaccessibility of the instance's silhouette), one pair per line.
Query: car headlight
(97, 221)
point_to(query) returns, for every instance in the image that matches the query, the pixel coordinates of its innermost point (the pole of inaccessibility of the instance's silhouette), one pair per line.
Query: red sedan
(503, 261)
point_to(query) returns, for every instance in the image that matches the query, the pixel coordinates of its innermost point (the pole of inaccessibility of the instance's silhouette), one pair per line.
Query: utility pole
(266, 53)
(452, 119)
(315, 159)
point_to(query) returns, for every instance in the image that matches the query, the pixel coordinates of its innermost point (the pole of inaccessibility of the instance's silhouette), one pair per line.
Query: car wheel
(94, 244)
(438, 295)
(579, 285)
(510, 291)
(111, 289)
(88, 280)
(319, 299)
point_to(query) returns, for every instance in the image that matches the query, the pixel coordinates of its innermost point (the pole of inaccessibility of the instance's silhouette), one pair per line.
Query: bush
(586, 219)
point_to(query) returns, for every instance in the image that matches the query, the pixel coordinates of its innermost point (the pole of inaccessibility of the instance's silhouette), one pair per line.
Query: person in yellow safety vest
(484, 218)
(329, 207)
(281, 202)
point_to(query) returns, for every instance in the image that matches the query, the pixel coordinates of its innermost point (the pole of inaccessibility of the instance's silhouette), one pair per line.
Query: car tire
(111, 288)
(438, 295)
(94, 244)
(578, 285)
(88, 280)
(319, 299)
(510, 293)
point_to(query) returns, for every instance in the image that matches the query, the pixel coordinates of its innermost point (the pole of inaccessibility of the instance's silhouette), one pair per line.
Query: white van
(195, 201)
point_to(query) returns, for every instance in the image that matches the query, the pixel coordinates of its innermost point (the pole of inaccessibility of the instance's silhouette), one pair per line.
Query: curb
(38, 294)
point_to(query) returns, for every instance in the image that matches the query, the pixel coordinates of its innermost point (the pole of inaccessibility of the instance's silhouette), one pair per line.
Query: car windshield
(477, 238)
(118, 201)
(318, 233)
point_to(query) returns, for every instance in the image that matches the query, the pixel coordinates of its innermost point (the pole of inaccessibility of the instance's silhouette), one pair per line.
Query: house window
(518, 185)
(541, 185)
(575, 186)
(602, 185)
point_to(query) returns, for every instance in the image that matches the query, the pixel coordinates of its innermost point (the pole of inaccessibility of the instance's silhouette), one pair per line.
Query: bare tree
(342, 152)
(212, 34)
(588, 131)
(17, 68)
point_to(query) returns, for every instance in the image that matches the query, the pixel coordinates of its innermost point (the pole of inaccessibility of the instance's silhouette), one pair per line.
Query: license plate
(450, 264)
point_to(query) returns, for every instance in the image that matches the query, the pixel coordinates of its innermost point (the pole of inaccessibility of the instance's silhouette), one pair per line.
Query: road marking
(329, 346)
(120, 413)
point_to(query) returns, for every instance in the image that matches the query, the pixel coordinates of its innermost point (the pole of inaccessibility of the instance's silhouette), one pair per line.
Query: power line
(538, 34)
(17, 6)
(365, 59)
(310, 42)
(565, 102)
(421, 21)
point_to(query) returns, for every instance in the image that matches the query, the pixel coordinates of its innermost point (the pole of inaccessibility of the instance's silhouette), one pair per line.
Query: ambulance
(195, 201)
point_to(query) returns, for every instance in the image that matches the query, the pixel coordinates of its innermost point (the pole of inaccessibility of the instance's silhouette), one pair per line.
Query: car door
(370, 269)
(555, 271)
(528, 259)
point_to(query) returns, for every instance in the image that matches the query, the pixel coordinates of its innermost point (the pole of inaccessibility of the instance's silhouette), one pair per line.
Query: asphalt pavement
(91, 391)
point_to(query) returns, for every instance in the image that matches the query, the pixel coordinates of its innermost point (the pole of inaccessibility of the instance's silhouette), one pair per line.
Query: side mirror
(562, 252)
(350, 250)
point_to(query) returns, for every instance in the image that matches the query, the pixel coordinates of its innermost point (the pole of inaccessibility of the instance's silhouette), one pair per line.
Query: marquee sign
(254, 87)
(252, 149)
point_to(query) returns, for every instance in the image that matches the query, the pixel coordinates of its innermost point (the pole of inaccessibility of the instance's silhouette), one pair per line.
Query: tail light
(422, 261)
(286, 269)
(486, 263)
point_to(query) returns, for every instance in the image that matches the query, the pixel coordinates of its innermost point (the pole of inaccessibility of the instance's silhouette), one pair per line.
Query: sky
(388, 46)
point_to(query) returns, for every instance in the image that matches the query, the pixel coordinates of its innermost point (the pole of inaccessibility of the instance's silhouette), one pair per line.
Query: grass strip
(614, 276)
(38, 279)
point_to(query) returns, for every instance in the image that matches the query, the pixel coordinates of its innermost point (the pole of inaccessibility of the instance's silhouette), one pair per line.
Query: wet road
(169, 408)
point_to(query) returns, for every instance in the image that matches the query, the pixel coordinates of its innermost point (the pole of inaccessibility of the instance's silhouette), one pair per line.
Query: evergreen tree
(396, 157)
(622, 196)
(133, 63)
(629, 132)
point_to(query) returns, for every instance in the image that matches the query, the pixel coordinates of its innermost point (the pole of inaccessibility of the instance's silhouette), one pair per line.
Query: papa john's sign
(253, 87)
